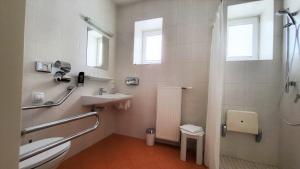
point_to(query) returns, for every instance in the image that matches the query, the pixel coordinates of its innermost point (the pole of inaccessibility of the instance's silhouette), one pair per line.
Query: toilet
(49, 159)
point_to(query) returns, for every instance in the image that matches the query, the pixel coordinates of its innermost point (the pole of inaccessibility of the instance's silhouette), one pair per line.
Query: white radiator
(168, 113)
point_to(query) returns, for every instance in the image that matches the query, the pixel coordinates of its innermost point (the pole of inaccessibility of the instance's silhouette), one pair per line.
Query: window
(243, 35)
(152, 47)
(148, 41)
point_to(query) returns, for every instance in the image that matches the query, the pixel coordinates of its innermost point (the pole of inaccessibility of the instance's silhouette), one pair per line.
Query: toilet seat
(44, 157)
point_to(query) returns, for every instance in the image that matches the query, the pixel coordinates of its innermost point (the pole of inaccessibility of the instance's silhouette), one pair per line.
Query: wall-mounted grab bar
(58, 122)
(290, 124)
(62, 141)
(70, 90)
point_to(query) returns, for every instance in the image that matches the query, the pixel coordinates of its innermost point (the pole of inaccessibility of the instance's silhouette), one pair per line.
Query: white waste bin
(150, 136)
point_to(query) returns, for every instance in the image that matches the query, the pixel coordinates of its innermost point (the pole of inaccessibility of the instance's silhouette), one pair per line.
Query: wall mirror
(250, 28)
(97, 53)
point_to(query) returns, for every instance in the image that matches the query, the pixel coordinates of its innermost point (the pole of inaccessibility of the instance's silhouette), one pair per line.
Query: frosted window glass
(148, 41)
(153, 49)
(240, 40)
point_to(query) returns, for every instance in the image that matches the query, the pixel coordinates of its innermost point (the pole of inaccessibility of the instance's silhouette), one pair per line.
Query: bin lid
(150, 130)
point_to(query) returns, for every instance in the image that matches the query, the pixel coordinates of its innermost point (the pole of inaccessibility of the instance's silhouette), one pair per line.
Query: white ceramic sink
(104, 99)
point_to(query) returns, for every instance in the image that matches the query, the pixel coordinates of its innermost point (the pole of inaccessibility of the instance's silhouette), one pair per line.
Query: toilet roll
(242, 121)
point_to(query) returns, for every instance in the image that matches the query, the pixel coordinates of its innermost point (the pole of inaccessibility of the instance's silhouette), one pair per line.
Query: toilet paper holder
(258, 137)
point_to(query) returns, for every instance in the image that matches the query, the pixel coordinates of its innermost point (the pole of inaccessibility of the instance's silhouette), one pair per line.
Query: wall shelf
(102, 79)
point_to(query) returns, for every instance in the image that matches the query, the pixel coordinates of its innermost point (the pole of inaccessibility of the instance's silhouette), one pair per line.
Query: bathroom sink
(114, 96)
(104, 99)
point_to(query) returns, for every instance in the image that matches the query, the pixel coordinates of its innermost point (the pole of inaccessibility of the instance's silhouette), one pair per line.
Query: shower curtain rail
(70, 90)
(62, 141)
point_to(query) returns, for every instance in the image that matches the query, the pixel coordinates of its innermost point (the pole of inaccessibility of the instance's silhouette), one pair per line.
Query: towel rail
(62, 141)
(70, 90)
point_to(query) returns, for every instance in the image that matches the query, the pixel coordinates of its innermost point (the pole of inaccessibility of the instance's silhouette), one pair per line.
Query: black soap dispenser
(80, 79)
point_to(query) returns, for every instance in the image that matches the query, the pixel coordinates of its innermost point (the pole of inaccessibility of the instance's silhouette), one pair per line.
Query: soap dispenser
(80, 79)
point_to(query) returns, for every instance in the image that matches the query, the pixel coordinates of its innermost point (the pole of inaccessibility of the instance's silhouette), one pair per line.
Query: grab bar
(62, 141)
(70, 90)
(290, 124)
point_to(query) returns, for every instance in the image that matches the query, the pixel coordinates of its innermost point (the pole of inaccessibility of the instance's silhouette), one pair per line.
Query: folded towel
(191, 128)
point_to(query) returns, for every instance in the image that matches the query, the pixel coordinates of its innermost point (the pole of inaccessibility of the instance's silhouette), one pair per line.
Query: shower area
(260, 119)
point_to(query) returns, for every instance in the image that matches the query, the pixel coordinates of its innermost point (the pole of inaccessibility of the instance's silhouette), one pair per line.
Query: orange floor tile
(122, 152)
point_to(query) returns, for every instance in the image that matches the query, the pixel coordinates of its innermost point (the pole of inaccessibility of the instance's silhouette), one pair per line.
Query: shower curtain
(215, 92)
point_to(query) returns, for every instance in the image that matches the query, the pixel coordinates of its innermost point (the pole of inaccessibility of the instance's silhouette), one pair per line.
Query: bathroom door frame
(12, 19)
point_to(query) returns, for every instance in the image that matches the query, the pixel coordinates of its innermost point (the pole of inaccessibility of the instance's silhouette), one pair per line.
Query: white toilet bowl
(49, 159)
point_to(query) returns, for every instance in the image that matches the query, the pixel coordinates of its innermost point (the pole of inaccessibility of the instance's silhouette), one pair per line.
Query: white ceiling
(123, 2)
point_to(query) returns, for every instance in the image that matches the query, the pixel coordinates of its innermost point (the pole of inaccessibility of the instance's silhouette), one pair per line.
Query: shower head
(290, 16)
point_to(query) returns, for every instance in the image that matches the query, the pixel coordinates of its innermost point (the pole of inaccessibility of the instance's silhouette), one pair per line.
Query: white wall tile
(235, 72)
(235, 94)
(169, 34)
(54, 31)
(185, 11)
(185, 63)
(185, 33)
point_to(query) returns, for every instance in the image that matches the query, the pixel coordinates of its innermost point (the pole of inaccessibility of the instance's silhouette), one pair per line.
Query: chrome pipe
(62, 141)
(70, 90)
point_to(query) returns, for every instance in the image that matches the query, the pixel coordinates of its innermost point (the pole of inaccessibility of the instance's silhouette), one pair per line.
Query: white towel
(191, 128)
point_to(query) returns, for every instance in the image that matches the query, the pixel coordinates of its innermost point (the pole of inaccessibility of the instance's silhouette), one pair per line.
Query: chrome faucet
(101, 91)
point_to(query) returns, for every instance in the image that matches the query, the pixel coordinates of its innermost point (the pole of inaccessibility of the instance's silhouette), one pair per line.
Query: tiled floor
(121, 152)
(234, 163)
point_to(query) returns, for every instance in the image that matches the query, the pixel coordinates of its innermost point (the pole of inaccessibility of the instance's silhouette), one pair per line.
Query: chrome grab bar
(70, 90)
(62, 141)
(290, 124)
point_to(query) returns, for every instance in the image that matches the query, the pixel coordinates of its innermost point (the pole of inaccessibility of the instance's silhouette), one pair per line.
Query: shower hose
(288, 74)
